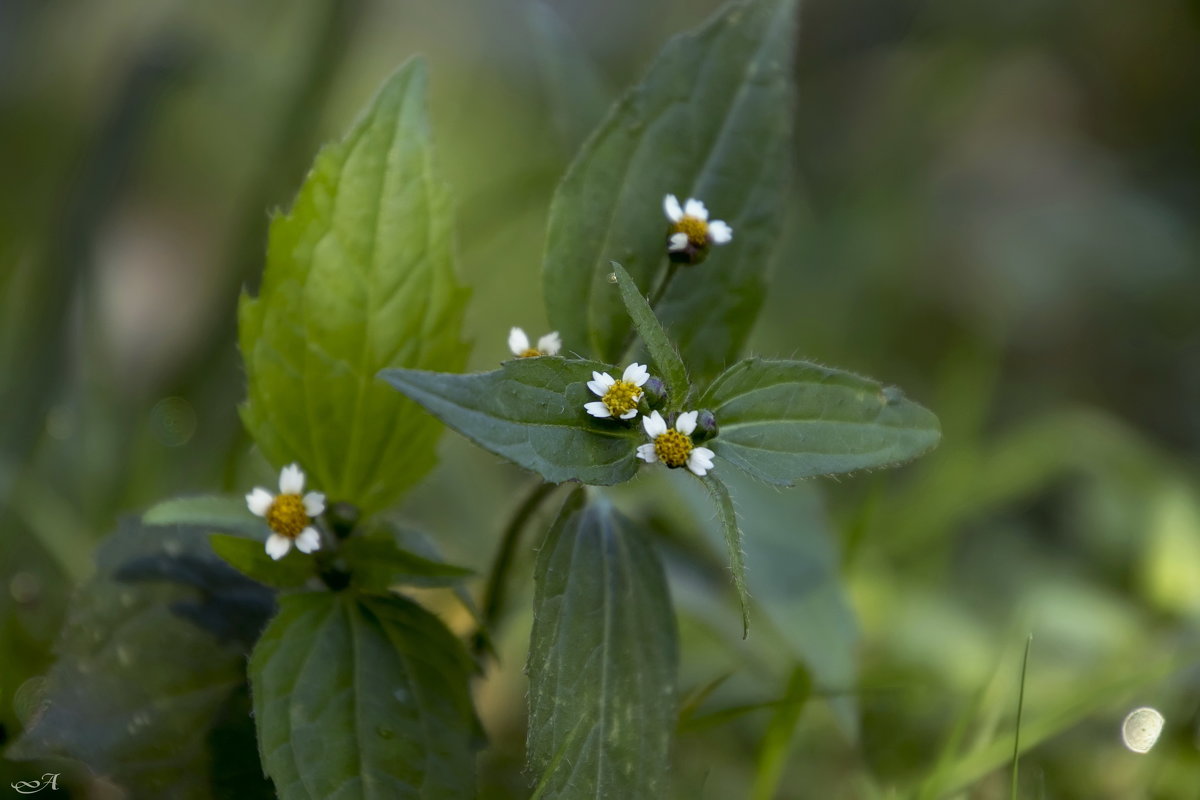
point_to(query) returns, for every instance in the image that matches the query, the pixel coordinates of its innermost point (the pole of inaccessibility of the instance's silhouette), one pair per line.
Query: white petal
(686, 422)
(277, 546)
(654, 424)
(646, 452)
(630, 414)
(291, 480)
(694, 208)
(597, 389)
(700, 460)
(550, 344)
(671, 207)
(604, 379)
(719, 232)
(259, 501)
(598, 409)
(636, 373)
(314, 504)
(518, 342)
(309, 540)
(679, 241)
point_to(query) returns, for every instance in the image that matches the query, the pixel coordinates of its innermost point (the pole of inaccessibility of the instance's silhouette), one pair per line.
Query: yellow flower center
(621, 397)
(529, 353)
(673, 448)
(696, 230)
(287, 516)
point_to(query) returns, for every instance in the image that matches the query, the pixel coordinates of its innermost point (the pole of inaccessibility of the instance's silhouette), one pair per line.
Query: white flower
(548, 345)
(690, 226)
(288, 514)
(618, 398)
(673, 446)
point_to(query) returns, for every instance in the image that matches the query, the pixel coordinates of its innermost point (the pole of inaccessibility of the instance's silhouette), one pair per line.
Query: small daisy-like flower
(691, 233)
(618, 398)
(288, 514)
(673, 446)
(548, 345)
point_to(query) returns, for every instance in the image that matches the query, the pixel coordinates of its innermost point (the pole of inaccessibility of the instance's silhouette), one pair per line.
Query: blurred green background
(995, 207)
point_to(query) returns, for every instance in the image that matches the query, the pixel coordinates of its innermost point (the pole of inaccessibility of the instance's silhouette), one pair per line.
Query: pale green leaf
(531, 412)
(602, 660)
(214, 512)
(733, 543)
(363, 697)
(782, 421)
(360, 276)
(712, 120)
(663, 354)
(249, 557)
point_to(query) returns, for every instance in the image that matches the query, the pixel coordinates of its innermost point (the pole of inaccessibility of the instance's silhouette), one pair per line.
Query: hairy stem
(496, 587)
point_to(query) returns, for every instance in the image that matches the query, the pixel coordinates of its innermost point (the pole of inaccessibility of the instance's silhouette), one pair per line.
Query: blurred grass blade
(772, 756)
(663, 354)
(1016, 757)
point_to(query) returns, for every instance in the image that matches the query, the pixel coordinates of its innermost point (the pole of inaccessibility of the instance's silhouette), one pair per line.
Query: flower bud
(342, 518)
(706, 426)
(690, 255)
(655, 392)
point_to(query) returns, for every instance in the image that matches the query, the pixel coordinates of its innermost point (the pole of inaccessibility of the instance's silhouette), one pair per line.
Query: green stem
(496, 586)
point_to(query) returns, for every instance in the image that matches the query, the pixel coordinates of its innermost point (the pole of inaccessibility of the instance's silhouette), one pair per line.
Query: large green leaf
(711, 120)
(378, 562)
(786, 420)
(530, 411)
(602, 660)
(153, 650)
(363, 697)
(663, 355)
(360, 276)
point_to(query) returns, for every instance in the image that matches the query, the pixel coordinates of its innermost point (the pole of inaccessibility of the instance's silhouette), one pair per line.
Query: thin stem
(497, 581)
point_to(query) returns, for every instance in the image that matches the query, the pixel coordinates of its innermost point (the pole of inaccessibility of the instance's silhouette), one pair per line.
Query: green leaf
(602, 659)
(249, 557)
(153, 648)
(782, 421)
(215, 512)
(363, 697)
(733, 543)
(530, 411)
(378, 562)
(711, 120)
(360, 276)
(662, 353)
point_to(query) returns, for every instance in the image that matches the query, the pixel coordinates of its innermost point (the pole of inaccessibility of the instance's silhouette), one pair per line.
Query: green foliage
(710, 120)
(360, 276)
(733, 543)
(363, 697)
(602, 659)
(782, 421)
(249, 557)
(378, 562)
(153, 647)
(531, 412)
(663, 355)
(215, 512)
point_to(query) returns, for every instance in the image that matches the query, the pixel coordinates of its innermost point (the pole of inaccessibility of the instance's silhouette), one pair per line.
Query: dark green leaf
(378, 563)
(249, 557)
(360, 276)
(363, 697)
(530, 411)
(733, 543)
(153, 648)
(711, 120)
(602, 660)
(786, 420)
(663, 354)
(214, 511)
